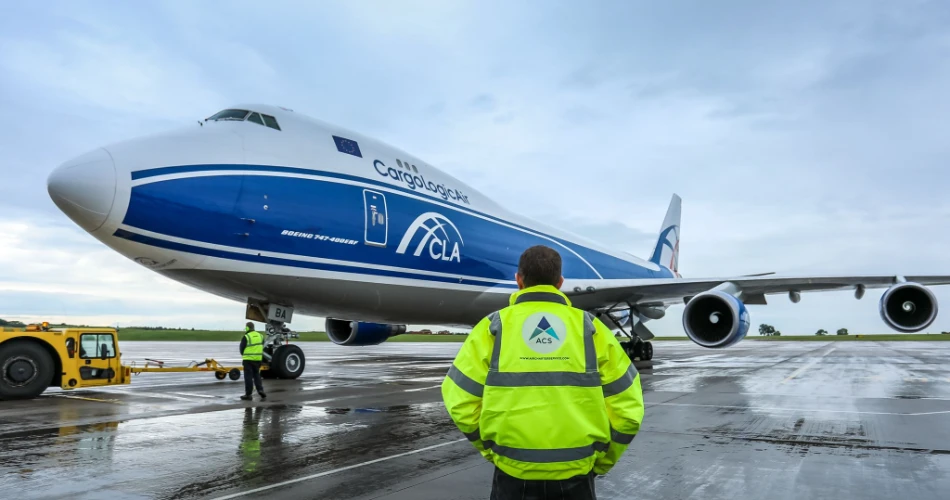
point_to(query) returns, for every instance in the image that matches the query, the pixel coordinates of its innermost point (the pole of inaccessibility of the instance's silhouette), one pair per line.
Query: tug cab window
(93, 346)
(229, 114)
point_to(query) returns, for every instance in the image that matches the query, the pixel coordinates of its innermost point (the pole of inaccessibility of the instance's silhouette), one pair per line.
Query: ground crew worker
(252, 350)
(543, 390)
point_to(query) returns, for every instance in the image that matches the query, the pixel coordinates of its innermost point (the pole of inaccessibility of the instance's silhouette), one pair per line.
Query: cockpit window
(256, 118)
(229, 114)
(240, 115)
(271, 122)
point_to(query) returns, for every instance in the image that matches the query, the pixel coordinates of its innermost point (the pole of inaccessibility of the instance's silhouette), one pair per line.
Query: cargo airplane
(287, 214)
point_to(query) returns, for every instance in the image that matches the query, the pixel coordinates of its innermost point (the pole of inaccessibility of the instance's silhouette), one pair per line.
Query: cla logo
(439, 241)
(543, 332)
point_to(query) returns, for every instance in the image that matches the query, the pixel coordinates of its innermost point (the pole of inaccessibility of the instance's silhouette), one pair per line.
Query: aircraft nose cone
(84, 188)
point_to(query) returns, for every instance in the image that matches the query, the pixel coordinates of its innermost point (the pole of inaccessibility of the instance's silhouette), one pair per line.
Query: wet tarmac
(760, 420)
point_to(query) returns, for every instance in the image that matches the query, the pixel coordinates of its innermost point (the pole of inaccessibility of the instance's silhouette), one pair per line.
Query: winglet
(666, 253)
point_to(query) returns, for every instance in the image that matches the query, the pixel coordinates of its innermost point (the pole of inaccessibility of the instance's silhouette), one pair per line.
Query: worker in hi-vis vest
(543, 390)
(252, 350)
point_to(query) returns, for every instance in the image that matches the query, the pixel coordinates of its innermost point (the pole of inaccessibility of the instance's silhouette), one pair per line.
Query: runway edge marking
(334, 471)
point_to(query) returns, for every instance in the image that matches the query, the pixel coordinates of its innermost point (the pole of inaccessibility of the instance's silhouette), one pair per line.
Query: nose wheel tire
(288, 362)
(26, 370)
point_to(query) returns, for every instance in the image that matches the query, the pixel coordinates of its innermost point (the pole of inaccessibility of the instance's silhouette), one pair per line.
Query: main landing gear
(638, 349)
(281, 358)
(635, 347)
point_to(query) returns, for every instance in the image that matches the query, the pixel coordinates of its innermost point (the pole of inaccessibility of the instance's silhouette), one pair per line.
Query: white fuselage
(324, 219)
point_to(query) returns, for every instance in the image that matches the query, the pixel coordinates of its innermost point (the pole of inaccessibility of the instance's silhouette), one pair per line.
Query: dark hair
(540, 265)
(250, 325)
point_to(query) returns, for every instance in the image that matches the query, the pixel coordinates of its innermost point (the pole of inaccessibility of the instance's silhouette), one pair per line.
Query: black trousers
(252, 377)
(506, 487)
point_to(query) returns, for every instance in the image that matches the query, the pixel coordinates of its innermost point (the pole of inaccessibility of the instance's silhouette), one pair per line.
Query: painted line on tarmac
(318, 402)
(334, 471)
(770, 408)
(196, 395)
(808, 365)
(159, 395)
(423, 388)
(97, 400)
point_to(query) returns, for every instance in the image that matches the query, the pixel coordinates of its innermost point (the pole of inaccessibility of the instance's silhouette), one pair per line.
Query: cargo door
(377, 220)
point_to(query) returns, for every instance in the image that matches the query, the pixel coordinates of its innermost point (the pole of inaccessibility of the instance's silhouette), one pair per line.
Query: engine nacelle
(715, 319)
(908, 307)
(360, 333)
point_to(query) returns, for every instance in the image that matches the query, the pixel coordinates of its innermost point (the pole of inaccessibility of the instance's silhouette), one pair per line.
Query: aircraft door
(98, 360)
(253, 208)
(376, 217)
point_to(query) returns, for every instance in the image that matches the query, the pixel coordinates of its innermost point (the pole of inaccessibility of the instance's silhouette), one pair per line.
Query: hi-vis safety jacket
(544, 390)
(254, 350)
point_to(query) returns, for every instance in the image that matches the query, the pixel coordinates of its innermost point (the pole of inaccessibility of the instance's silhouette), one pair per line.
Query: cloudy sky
(804, 138)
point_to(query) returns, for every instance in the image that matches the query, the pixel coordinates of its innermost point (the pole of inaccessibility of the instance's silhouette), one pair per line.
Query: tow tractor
(37, 357)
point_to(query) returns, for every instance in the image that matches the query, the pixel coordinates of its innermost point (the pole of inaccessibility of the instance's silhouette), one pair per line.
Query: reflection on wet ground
(761, 420)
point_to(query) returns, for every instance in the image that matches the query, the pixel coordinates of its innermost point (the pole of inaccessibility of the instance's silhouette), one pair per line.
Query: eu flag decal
(347, 146)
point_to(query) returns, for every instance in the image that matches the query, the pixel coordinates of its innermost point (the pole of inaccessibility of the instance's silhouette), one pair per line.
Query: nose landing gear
(281, 358)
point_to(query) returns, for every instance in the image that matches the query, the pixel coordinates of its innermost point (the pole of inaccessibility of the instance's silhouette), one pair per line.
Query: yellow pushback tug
(37, 357)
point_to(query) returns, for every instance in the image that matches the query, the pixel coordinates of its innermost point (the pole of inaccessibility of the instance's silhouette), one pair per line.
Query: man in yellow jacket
(543, 390)
(252, 352)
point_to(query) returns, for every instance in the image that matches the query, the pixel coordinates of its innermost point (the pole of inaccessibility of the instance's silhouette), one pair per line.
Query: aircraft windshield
(230, 114)
(240, 115)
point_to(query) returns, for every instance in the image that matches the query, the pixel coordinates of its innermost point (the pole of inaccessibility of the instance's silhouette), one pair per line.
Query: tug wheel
(26, 370)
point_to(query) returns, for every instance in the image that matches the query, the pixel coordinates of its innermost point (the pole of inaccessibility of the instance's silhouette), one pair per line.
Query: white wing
(596, 294)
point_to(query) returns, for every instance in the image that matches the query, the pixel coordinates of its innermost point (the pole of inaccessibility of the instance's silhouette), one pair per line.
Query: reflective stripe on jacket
(544, 390)
(254, 350)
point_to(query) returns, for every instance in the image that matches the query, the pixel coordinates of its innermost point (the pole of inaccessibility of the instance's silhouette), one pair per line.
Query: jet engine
(715, 319)
(908, 307)
(360, 333)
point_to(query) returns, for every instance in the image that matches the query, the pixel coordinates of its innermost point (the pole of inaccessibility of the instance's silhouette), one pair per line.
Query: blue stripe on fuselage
(229, 210)
(171, 245)
(179, 169)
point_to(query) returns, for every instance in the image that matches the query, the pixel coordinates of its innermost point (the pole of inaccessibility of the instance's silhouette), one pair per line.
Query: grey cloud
(504, 118)
(435, 109)
(586, 77)
(483, 102)
(612, 234)
(582, 115)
